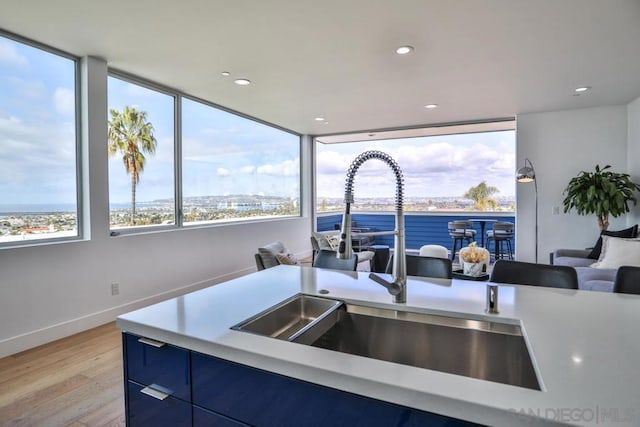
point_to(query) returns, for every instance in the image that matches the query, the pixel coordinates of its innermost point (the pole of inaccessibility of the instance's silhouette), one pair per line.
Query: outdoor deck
(421, 228)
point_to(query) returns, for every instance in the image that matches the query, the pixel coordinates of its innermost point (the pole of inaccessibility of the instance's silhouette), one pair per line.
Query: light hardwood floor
(76, 381)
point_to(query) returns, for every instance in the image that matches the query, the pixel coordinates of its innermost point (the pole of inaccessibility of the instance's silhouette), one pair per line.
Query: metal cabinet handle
(156, 394)
(153, 343)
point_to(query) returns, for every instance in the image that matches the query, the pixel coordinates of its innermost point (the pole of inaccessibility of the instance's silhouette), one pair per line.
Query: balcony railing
(420, 228)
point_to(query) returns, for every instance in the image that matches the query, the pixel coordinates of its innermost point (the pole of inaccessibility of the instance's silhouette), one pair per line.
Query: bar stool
(460, 231)
(501, 235)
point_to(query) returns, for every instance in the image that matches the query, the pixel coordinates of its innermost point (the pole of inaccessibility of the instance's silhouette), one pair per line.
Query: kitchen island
(584, 346)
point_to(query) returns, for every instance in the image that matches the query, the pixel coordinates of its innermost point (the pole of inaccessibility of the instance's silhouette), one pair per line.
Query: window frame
(410, 132)
(79, 146)
(215, 223)
(179, 223)
(165, 90)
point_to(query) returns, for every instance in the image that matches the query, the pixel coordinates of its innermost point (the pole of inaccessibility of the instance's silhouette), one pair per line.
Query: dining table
(483, 223)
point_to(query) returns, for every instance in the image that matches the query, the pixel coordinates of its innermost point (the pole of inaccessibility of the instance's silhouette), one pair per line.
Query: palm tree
(481, 195)
(131, 135)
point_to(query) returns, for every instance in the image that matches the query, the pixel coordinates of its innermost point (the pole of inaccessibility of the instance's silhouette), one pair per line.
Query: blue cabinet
(263, 398)
(201, 390)
(144, 410)
(157, 383)
(152, 362)
(204, 418)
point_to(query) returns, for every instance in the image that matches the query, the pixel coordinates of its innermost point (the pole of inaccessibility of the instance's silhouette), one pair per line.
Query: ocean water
(37, 208)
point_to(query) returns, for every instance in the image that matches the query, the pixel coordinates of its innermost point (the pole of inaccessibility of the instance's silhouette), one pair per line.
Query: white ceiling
(477, 59)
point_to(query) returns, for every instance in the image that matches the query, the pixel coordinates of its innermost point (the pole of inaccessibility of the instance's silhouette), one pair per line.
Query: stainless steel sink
(487, 350)
(290, 318)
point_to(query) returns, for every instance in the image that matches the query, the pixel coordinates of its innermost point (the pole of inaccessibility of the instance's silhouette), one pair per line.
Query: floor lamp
(528, 174)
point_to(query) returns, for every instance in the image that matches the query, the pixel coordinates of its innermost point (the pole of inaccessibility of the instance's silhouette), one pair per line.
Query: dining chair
(627, 280)
(528, 273)
(436, 251)
(328, 259)
(426, 266)
(460, 231)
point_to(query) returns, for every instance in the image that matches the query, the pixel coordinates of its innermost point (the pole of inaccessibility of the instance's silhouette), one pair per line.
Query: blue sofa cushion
(589, 279)
(596, 279)
(626, 233)
(597, 285)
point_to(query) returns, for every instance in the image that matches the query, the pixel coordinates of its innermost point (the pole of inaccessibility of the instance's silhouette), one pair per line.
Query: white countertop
(585, 345)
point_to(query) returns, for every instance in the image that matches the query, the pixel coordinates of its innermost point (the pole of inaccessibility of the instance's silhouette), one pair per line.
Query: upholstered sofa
(589, 279)
(597, 266)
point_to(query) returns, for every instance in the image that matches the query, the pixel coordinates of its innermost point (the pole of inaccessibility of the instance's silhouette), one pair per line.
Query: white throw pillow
(617, 252)
(327, 241)
(287, 259)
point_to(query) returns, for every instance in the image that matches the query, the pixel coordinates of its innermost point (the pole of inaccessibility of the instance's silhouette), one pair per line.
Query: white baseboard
(45, 335)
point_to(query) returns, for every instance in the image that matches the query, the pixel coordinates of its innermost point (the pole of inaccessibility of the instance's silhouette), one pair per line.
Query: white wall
(50, 291)
(560, 145)
(633, 153)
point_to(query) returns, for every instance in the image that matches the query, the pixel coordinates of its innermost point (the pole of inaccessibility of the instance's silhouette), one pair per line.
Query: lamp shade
(525, 174)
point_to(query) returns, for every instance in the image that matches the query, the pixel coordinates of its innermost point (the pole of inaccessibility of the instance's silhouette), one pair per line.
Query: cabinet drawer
(204, 418)
(262, 398)
(144, 410)
(150, 362)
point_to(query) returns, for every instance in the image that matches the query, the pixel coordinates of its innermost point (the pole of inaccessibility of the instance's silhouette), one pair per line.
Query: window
(235, 168)
(39, 185)
(141, 156)
(456, 168)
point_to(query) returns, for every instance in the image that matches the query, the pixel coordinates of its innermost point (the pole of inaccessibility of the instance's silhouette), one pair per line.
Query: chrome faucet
(398, 286)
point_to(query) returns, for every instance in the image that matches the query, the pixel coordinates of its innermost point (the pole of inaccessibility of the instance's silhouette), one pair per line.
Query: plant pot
(472, 268)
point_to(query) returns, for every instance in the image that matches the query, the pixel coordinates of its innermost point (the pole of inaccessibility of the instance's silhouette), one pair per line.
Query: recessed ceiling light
(582, 89)
(319, 119)
(225, 73)
(431, 106)
(403, 50)
(242, 82)
(326, 123)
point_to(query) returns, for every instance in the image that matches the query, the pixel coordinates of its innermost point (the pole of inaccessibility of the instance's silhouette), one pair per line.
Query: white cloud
(10, 55)
(332, 162)
(247, 170)
(37, 160)
(430, 168)
(285, 168)
(25, 88)
(223, 172)
(64, 101)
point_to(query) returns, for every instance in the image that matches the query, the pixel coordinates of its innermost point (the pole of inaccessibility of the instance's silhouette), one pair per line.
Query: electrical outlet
(555, 210)
(115, 288)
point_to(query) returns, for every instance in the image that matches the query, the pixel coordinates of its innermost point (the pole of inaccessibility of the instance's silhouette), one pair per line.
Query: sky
(222, 153)
(434, 166)
(37, 127)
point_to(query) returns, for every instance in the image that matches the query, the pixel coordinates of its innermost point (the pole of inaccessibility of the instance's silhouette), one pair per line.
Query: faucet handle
(393, 287)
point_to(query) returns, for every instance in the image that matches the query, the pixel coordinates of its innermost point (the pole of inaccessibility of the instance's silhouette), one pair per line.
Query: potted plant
(602, 192)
